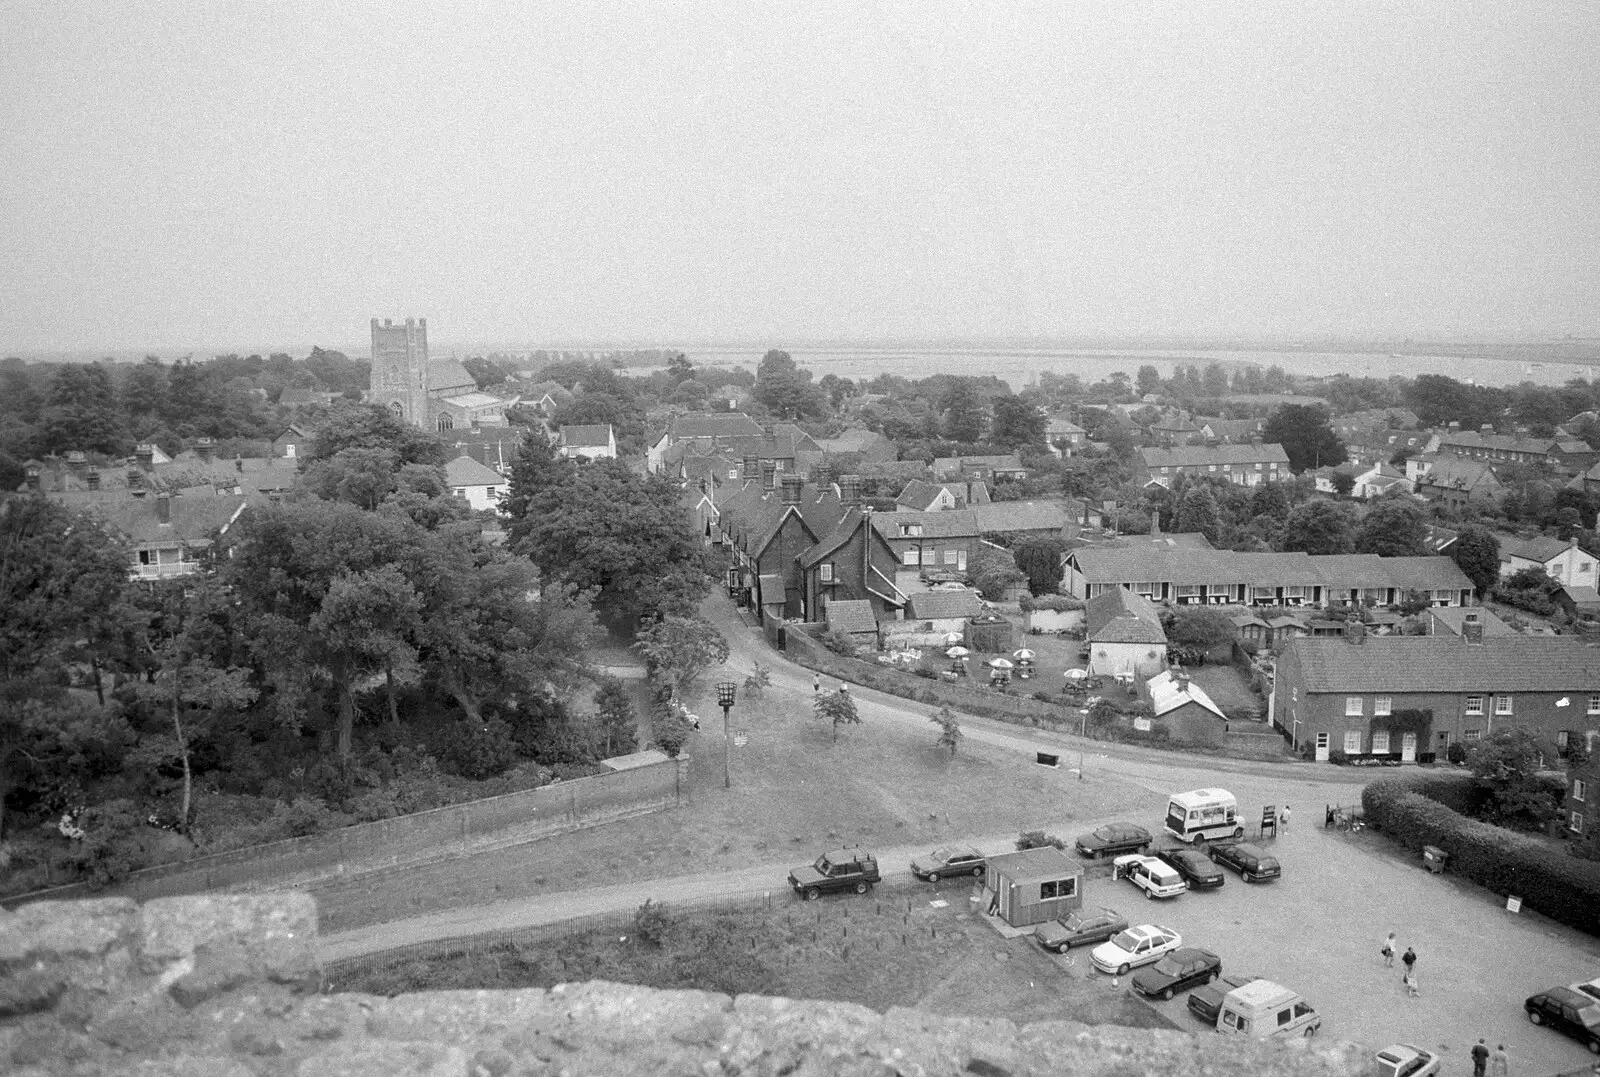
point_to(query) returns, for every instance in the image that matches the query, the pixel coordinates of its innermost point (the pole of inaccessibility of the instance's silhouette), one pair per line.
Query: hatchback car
(1079, 929)
(1178, 971)
(1113, 838)
(1568, 1011)
(1250, 861)
(1136, 946)
(1196, 868)
(1206, 1000)
(1404, 1060)
(950, 860)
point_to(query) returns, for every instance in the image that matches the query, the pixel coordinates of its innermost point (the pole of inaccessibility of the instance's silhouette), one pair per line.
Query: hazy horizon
(179, 177)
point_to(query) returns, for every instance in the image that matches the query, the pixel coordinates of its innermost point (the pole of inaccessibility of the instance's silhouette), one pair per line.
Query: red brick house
(1582, 804)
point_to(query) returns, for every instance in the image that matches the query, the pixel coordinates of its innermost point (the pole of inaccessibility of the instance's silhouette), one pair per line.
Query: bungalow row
(1226, 577)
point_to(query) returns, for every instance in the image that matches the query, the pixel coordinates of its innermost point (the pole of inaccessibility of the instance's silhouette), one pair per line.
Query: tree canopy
(1319, 527)
(1394, 526)
(1306, 435)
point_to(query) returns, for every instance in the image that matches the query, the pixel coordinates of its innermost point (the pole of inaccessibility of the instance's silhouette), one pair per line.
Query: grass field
(880, 951)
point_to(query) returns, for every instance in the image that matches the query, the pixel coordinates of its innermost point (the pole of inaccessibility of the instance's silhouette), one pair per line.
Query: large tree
(678, 649)
(1306, 435)
(1016, 423)
(1394, 526)
(605, 527)
(1477, 553)
(82, 412)
(784, 388)
(1318, 527)
(367, 426)
(1198, 512)
(962, 410)
(1040, 560)
(1509, 762)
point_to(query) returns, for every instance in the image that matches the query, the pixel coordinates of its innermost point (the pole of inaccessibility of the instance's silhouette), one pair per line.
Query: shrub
(840, 643)
(651, 923)
(1338, 757)
(1460, 793)
(1561, 887)
(1456, 753)
(1038, 839)
(481, 749)
(110, 848)
(1058, 603)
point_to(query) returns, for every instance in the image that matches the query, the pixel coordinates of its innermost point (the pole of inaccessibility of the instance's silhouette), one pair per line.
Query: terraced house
(1411, 697)
(1243, 465)
(1188, 577)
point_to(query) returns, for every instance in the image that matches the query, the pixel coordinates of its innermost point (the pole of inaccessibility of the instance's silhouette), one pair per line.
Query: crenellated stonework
(226, 986)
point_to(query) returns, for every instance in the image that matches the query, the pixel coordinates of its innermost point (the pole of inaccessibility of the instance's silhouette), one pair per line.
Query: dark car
(1569, 1011)
(1250, 861)
(1112, 839)
(1206, 1000)
(1195, 867)
(842, 869)
(1079, 929)
(947, 861)
(1178, 971)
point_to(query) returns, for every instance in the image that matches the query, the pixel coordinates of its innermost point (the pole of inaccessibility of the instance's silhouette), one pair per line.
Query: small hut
(1032, 886)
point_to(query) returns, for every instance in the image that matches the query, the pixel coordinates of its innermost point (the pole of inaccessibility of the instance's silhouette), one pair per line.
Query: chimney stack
(792, 485)
(1355, 632)
(1472, 630)
(206, 448)
(752, 467)
(769, 474)
(164, 509)
(92, 477)
(850, 491)
(145, 454)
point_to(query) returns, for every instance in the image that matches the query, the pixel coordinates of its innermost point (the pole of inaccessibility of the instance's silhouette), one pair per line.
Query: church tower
(400, 369)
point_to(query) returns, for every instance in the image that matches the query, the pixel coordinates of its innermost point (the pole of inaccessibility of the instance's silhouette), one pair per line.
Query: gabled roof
(1121, 616)
(1451, 618)
(444, 374)
(1448, 664)
(1473, 439)
(1168, 693)
(1456, 472)
(1242, 617)
(1231, 429)
(1586, 598)
(1220, 455)
(474, 400)
(1134, 564)
(587, 436)
(952, 464)
(943, 605)
(952, 523)
(918, 495)
(194, 519)
(1540, 548)
(698, 424)
(851, 615)
(465, 471)
(1012, 516)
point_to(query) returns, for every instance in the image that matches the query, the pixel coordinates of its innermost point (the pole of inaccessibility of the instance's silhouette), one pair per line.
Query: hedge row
(1458, 790)
(1548, 880)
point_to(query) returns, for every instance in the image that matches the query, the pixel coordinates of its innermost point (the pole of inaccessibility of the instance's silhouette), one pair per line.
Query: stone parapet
(226, 986)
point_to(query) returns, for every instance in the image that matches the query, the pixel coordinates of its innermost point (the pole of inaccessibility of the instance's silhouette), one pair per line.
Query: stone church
(434, 394)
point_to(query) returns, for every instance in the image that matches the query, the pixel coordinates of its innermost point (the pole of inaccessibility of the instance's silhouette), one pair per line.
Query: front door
(1322, 747)
(1408, 748)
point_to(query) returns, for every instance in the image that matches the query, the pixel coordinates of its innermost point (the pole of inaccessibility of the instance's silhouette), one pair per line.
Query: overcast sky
(247, 174)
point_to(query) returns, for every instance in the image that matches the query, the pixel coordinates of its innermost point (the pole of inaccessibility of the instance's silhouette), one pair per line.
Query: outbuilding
(1032, 886)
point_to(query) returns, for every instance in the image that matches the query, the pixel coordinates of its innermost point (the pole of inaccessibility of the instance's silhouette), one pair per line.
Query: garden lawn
(1229, 688)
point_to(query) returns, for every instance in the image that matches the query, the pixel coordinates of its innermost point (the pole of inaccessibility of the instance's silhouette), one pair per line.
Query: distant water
(1020, 366)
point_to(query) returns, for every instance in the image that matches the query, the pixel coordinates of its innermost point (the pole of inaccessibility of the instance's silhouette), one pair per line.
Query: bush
(1461, 793)
(651, 923)
(1561, 887)
(481, 749)
(1456, 753)
(840, 643)
(1038, 839)
(1058, 603)
(110, 848)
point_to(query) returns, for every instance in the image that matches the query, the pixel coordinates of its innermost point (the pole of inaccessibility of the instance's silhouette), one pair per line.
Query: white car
(1134, 947)
(1404, 1060)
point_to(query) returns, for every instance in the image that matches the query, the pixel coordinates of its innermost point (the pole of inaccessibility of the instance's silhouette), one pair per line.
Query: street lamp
(726, 690)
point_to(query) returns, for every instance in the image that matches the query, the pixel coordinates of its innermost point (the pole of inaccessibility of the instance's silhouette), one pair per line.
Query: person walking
(1480, 1058)
(1500, 1062)
(1409, 977)
(1388, 951)
(1285, 817)
(816, 683)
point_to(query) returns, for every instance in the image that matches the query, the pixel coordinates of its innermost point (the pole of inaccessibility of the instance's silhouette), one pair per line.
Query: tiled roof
(919, 494)
(194, 520)
(1457, 472)
(1143, 564)
(465, 471)
(1121, 616)
(705, 425)
(1540, 548)
(952, 523)
(1453, 617)
(1472, 439)
(587, 436)
(1448, 664)
(942, 605)
(1585, 597)
(1003, 516)
(448, 374)
(475, 400)
(1206, 455)
(1231, 429)
(1167, 695)
(851, 615)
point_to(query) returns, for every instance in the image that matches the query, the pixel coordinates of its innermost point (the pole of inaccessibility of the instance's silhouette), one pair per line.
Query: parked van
(1262, 1009)
(1156, 877)
(1203, 815)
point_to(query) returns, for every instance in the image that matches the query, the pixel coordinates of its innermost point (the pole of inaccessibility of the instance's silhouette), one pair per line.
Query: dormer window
(910, 530)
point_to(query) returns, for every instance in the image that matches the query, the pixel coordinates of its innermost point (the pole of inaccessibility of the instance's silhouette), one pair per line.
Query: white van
(1262, 1009)
(1203, 814)
(1156, 877)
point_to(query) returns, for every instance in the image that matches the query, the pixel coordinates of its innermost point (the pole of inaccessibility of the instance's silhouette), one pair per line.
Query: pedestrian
(1388, 951)
(1500, 1062)
(1410, 980)
(816, 683)
(1409, 959)
(1286, 817)
(1480, 1058)
(844, 689)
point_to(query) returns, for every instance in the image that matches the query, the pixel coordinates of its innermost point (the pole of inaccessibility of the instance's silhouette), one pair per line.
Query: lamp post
(726, 690)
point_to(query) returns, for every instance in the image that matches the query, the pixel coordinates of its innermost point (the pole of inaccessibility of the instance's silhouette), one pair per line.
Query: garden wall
(646, 785)
(1052, 620)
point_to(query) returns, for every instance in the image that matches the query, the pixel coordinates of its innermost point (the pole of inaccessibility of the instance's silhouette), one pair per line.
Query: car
(1079, 928)
(840, 870)
(1153, 875)
(1136, 946)
(949, 860)
(1113, 838)
(1196, 867)
(1568, 1011)
(1406, 1060)
(1205, 1001)
(1590, 988)
(1178, 971)
(1250, 861)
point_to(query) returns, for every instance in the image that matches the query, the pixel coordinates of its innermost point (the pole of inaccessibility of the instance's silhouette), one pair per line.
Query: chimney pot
(769, 474)
(164, 509)
(792, 485)
(752, 467)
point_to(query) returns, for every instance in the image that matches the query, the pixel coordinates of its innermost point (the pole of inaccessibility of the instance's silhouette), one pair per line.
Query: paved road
(1317, 929)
